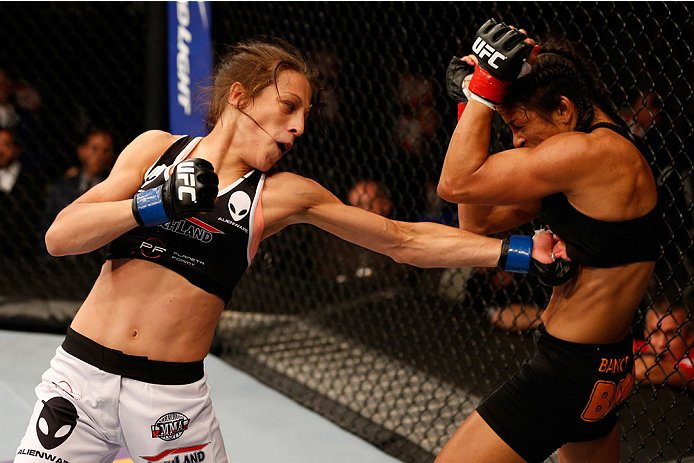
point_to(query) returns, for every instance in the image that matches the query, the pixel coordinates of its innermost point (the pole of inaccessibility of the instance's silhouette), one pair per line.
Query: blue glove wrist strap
(520, 248)
(150, 208)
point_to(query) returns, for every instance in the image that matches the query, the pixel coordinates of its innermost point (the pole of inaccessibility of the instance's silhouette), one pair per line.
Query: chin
(266, 166)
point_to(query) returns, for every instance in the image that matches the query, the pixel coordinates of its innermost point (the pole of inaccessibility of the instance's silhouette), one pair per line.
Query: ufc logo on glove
(482, 49)
(186, 173)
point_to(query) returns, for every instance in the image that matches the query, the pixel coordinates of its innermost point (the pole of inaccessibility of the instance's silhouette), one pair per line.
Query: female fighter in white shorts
(183, 218)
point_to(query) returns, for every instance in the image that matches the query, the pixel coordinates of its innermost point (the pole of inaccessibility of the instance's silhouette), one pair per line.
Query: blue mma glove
(191, 188)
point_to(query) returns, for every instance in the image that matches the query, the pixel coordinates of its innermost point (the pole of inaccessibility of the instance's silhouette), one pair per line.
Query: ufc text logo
(482, 49)
(186, 173)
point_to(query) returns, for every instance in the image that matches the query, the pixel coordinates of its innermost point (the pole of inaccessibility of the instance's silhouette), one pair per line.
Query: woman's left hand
(543, 247)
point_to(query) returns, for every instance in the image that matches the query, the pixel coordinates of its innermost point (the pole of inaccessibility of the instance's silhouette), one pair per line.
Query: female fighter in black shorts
(577, 168)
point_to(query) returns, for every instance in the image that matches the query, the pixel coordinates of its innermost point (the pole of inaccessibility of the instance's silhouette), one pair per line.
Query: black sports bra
(211, 250)
(596, 243)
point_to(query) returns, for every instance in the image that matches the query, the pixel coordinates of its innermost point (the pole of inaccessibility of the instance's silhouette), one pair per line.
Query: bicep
(117, 186)
(510, 178)
(524, 175)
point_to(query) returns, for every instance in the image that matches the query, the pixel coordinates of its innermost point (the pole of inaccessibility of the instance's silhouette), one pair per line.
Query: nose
(659, 342)
(297, 126)
(519, 141)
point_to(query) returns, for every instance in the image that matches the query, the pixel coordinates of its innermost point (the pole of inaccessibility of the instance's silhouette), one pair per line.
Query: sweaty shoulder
(615, 154)
(143, 151)
(561, 161)
(568, 145)
(149, 144)
(291, 188)
(286, 196)
(580, 156)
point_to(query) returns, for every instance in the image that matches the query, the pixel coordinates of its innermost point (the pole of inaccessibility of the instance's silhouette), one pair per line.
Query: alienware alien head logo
(239, 205)
(56, 422)
(154, 173)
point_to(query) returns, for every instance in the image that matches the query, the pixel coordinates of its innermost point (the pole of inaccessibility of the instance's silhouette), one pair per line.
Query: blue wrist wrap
(520, 248)
(150, 207)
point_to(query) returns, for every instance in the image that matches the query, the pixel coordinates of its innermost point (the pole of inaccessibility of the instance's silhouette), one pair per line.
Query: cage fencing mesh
(395, 354)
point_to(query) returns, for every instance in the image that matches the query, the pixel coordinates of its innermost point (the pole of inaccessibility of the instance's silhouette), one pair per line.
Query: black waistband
(131, 366)
(616, 348)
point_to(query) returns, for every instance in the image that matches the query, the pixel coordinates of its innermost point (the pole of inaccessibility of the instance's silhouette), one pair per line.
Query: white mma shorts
(94, 400)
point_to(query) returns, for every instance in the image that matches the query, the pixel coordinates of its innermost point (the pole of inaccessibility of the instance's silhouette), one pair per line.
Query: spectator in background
(436, 209)
(9, 116)
(343, 262)
(329, 65)
(671, 163)
(20, 104)
(358, 262)
(665, 355)
(642, 114)
(419, 121)
(371, 196)
(96, 157)
(21, 200)
(519, 313)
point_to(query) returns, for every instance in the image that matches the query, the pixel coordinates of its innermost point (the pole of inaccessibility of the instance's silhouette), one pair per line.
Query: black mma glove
(191, 188)
(501, 52)
(516, 256)
(458, 70)
(555, 274)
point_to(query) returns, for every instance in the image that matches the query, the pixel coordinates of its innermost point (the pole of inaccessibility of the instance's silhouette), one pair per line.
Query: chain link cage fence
(395, 354)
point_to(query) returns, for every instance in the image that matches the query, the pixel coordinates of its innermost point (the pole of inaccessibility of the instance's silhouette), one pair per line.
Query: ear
(566, 110)
(237, 92)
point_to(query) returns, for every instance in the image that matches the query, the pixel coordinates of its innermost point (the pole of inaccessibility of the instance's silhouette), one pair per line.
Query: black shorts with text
(567, 392)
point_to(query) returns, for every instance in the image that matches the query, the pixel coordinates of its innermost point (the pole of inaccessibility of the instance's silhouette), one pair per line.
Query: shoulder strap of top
(623, 131)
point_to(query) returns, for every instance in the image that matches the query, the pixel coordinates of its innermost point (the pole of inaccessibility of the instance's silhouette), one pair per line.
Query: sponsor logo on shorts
(194, 454)
(613, 365)
(170, 426)
(40, 454)
(56, 422)
(66, 388)
(606, 394)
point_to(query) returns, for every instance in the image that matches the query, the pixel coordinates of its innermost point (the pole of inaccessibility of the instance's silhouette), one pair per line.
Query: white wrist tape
(525, 69)
(479, 99)
(466, 85)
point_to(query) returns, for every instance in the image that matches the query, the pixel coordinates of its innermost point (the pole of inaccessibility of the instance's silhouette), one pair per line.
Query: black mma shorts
(567, 392)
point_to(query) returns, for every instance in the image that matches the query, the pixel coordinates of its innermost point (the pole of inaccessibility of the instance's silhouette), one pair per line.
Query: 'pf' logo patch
(170, 426)
(56, 422)
(152, 248)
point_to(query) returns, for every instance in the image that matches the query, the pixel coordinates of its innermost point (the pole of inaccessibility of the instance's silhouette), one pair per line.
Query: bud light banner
(190, 65)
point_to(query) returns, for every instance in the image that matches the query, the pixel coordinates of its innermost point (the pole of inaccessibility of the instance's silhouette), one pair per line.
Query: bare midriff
(144, 309)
